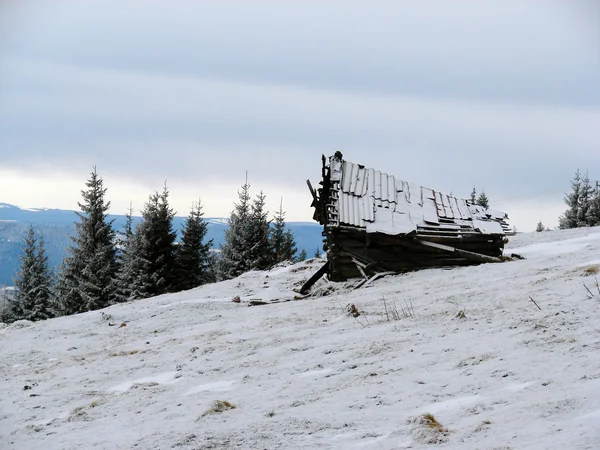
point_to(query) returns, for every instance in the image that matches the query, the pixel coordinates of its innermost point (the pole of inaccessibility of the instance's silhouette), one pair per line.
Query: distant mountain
(56, 225)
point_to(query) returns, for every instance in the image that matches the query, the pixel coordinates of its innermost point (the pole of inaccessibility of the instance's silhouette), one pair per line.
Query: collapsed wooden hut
(375, 223)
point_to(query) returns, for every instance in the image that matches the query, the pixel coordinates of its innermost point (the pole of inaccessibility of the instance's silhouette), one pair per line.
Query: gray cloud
(503, 95)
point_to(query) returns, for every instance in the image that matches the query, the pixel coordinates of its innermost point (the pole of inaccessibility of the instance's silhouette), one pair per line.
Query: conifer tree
(540, 227)
(569, 219)
(33, 295)
(126, 259)
(193, 254)
(235, 257)
(154, 244)
(593, 212)
(317, 253)
(261, 253)
(87, 278)
(473, 198)
(483, 200)
(283, 244)
(301, 256)
(585, 200)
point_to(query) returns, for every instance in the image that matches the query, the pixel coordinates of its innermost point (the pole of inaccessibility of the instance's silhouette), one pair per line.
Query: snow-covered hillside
(470, 348)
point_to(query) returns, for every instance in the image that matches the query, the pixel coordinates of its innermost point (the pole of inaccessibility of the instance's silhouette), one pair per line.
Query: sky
(501, 95)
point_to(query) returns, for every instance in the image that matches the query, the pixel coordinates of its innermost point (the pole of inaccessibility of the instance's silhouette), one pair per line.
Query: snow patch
(163, 378)
(434, 408)
(217, 386)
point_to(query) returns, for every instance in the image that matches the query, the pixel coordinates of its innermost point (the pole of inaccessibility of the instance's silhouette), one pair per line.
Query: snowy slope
(306, 374)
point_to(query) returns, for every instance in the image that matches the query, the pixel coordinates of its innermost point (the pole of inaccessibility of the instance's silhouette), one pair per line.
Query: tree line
(481, 199)
(104, 266)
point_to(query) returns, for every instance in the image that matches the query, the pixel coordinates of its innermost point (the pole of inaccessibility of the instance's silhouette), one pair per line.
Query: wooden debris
(312, 280)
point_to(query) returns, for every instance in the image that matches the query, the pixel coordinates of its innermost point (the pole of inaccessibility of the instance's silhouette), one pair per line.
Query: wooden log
(312, 280)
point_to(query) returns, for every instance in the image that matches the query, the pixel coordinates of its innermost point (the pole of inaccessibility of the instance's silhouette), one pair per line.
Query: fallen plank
(312, 280)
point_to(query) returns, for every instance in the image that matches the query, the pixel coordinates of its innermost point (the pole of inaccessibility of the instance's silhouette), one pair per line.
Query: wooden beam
(466, 254)
(312, 280)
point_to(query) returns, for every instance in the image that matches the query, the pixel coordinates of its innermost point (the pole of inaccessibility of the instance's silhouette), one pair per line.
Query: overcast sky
(503, 95)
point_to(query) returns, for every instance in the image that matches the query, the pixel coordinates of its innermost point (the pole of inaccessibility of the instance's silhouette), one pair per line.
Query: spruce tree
(301, 256)
(193, 254)
(540, 227)
(155, 247)
(585, 200)
(569, 219)
(283, 243)
(261, 253)
(473, 198)
(235, 257)
(593, 212)
(33, 297)
(88, 273)
(126, 259)
(483, 200)
(289, 245)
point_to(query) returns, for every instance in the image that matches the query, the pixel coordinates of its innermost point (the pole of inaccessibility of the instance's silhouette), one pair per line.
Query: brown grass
(432, 423)
(591, 270)
(217, 407)
(125, 353)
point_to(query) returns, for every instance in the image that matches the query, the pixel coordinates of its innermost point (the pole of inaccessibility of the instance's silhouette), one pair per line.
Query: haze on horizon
(501, 95)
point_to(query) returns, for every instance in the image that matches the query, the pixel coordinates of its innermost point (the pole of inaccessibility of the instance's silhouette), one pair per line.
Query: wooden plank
(465, 253)
(312, 280)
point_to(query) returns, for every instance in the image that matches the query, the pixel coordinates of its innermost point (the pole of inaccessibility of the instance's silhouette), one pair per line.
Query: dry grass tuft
(591, 270)
(432, 423)
(124, 353)
(217, 407)
(427, 430)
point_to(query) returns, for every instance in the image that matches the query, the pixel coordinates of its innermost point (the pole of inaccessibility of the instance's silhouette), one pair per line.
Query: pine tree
(289, 245)
(33, 296)
(193, 254)
(88, 273)
(6, 306)
(473, 198)
(283, 244)
(483, 200)
(261, 253)
(593, 212)
(235, 256)
(540, 227)
(126, 258)
(301, 256)
(154, 244)
(317, 253)
(570, 216)
(585, 199)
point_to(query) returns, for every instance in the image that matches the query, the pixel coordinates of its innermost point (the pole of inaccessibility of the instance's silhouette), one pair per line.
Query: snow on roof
(381, 203)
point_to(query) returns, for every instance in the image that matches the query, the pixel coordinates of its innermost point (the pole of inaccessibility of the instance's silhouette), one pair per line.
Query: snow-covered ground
(477, 354)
